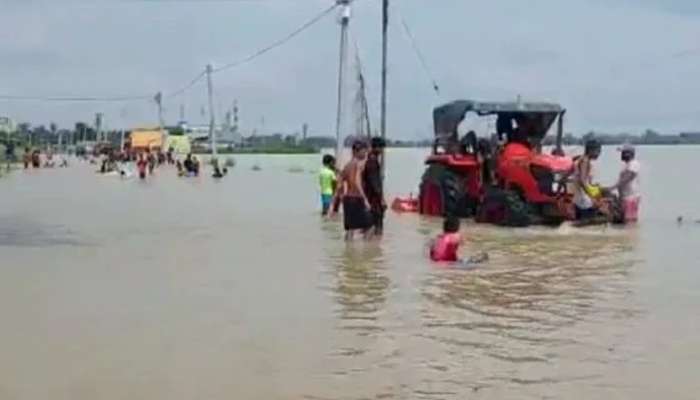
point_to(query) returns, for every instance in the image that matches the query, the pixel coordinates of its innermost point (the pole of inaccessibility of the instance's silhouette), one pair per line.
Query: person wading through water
(587, 193)
(374, 185)
(351, 190)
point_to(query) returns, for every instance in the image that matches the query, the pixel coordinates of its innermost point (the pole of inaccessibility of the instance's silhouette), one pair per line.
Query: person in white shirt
(627, 184)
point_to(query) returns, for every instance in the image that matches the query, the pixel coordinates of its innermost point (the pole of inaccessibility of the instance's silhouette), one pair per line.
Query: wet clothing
(372, 180)
(585, 213)
(630, 195)
(327, 180)
(631, 189)
(630, 208)
(376, 214)
(582, 199)
(374, 190)
(326, 203)
(355, 214)
(445, 247)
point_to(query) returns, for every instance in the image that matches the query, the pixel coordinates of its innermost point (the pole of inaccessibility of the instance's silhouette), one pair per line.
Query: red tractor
(504, 179)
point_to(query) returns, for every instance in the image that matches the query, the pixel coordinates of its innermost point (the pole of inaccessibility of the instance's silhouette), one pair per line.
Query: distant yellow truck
(157, 140)
(144, 138)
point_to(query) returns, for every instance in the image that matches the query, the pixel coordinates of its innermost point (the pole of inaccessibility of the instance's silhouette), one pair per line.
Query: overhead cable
(69, 99)
(186, 87)
(181, 90)
(279, 42)
(419, 55)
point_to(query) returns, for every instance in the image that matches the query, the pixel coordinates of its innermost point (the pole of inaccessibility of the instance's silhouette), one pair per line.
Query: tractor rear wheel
(443, 193)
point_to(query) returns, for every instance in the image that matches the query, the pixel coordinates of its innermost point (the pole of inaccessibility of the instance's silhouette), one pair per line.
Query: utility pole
(212, 121)
(385, 49)
(98, 128)
(159, 102)
(235, 115)
(344, 22)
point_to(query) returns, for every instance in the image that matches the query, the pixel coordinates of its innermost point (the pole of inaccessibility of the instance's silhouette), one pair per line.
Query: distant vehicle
(147, 138)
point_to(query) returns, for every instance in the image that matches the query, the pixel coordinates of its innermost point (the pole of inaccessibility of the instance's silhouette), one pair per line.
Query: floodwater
(186, 289)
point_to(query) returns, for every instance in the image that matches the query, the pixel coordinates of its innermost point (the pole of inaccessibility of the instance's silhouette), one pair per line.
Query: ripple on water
(534, 303)
(360, 287)
(27, 233)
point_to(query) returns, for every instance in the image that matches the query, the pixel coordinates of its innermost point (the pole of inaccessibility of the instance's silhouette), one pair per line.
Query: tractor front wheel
(504, 208)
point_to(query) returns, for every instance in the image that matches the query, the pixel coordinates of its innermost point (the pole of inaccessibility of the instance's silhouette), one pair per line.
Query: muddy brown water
(195, 289)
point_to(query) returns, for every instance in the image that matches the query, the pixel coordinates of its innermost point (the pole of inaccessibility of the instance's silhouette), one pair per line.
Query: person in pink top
(445, 247)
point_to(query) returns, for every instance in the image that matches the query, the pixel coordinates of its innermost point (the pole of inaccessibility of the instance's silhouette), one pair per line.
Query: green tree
(650, 136)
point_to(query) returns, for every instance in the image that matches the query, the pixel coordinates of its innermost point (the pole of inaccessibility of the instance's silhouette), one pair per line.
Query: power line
(188, 86)
(69, 99)
(419, 55)
(279, 42)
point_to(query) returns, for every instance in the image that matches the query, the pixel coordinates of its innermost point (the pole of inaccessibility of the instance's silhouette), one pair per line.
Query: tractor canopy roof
(448, 117)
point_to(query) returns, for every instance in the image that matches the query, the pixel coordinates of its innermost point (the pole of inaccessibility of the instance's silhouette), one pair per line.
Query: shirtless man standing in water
(350, 189)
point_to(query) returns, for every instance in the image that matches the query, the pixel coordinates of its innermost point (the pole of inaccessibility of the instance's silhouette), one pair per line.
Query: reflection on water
(362, 287)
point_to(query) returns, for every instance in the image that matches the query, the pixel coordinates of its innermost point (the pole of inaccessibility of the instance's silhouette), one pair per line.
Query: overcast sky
(617, 65)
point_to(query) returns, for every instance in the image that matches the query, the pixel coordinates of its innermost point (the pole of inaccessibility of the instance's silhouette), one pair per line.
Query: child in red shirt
(445, 247)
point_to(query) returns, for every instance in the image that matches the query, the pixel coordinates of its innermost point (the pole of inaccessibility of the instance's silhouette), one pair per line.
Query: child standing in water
(328, 182)
(445, 247)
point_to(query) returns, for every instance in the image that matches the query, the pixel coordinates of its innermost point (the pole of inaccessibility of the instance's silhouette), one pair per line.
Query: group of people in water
(358, 188)
(33, 159)
(592, 199)
(147, 161)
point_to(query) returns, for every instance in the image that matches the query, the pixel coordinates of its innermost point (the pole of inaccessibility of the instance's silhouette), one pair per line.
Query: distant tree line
(41, 136)
(648, 137)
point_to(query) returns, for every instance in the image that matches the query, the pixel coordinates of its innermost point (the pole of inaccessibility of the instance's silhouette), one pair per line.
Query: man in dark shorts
(351, 188)
(374, 185)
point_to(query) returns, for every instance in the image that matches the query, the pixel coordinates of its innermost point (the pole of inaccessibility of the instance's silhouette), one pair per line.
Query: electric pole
(385, 48)
(159, 102)
(98, 128)
(235, 116)
(344, 22)
(212, 121)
